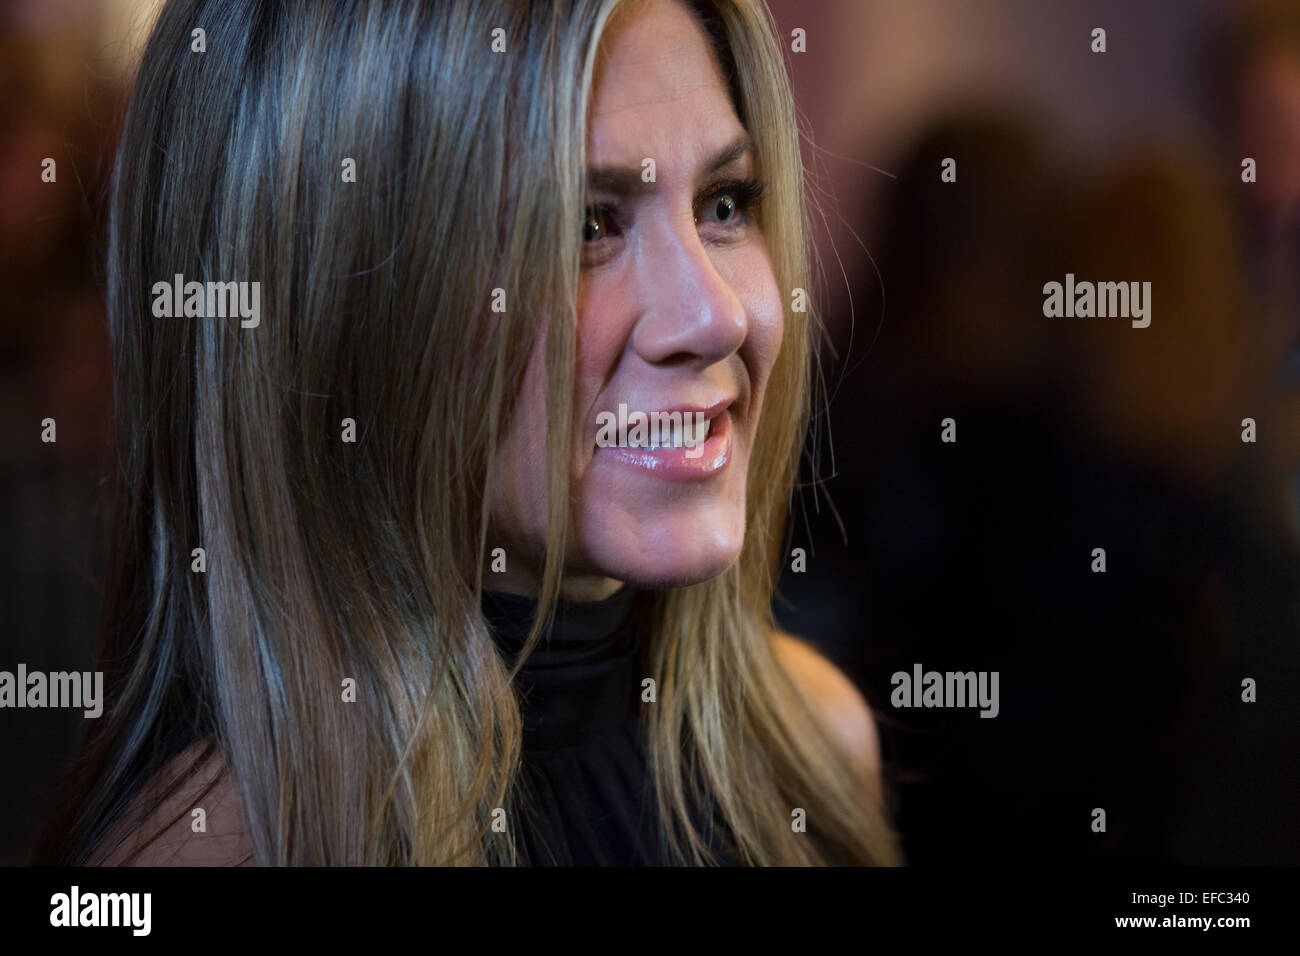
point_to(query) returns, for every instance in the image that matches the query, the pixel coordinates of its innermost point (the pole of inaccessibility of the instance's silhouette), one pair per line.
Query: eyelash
(747, 194)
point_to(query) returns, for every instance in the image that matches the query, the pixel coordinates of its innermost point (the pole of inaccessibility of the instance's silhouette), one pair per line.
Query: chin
(663, 550)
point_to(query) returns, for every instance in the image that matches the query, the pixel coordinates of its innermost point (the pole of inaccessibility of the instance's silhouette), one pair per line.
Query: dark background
(1119, 690)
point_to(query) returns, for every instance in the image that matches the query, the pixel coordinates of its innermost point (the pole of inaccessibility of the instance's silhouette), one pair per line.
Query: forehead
(657, 83)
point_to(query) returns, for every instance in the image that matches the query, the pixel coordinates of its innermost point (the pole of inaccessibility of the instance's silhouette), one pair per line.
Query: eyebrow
(626, 180)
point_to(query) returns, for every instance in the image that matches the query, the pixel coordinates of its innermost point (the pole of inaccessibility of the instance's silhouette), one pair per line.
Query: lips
(679, 462)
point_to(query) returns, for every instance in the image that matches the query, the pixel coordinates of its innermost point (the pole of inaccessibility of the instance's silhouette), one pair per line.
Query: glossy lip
(672, 464)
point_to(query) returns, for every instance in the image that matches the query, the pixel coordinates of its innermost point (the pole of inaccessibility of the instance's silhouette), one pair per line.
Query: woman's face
(678, 310)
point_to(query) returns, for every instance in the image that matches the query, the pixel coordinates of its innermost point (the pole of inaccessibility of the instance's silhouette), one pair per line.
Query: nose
(691, 316)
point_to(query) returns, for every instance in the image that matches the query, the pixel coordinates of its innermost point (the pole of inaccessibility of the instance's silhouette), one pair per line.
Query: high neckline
(580, 683)
(585, 774)
(575, 622)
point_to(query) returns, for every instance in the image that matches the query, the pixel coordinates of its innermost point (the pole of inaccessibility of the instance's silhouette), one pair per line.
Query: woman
(476, 228)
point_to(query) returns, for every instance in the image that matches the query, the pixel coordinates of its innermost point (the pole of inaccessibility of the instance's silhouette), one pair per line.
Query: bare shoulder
(839, 702)
(170, 834)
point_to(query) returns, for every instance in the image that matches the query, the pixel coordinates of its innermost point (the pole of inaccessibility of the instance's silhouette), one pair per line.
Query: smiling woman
(475, 634)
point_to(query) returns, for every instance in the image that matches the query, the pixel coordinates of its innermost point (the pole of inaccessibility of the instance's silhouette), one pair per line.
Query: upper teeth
(679, 435)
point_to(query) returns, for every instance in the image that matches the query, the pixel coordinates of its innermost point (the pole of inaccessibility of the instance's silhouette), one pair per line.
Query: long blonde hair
(328, 560)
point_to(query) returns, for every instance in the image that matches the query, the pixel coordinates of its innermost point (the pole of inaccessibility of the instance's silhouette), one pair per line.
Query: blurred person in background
(1120, 690)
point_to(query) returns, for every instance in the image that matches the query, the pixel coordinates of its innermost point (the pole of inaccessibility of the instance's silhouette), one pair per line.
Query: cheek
(606, 312)
(606, 307)
(754, 284)
(519, 485)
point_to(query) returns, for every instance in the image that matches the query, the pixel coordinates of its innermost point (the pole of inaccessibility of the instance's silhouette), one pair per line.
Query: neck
(573, 587)
(591, 588)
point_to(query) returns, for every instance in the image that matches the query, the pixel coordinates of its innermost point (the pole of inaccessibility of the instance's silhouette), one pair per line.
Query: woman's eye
(600, 230)
(597, 224)
(722, 207)
(732, 204)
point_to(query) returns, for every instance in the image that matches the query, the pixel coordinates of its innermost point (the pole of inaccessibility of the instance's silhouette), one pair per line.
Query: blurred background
(1120, 690)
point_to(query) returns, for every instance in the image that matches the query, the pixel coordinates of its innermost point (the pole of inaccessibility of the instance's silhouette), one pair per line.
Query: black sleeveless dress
(586, 774)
